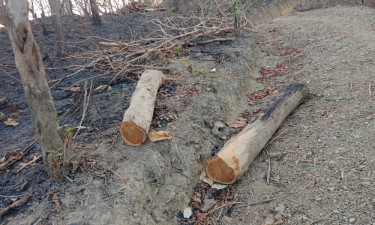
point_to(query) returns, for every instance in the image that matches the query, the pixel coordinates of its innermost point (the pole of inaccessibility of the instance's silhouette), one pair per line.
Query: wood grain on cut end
(218, 170)
(132, 134)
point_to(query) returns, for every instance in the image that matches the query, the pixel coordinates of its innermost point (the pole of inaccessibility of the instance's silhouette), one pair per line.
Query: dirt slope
(327, 175)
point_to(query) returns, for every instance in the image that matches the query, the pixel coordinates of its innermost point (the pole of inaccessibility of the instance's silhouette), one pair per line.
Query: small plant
(190, 67)
(211, 81)
(203, 70)
(199, 7)
(178, 50)
(64, 155)
(236, 15)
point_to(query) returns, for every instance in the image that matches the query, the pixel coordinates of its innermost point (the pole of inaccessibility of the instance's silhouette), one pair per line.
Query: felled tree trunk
(30, 66)
(137, 118)
(239, 152)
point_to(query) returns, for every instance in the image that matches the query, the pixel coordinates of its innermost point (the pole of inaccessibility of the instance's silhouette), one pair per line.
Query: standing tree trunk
(32, 10)
(30, 66)
(68, 8)
(57, 23)
(95, 13)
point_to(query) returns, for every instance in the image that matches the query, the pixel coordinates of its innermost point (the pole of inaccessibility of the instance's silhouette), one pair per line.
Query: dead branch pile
(170, 37)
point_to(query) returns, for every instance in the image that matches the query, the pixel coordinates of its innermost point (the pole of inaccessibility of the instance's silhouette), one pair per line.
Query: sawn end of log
(239, 152)
(137, 118)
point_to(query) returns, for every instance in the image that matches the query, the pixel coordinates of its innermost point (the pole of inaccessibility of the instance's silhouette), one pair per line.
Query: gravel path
(327, 175)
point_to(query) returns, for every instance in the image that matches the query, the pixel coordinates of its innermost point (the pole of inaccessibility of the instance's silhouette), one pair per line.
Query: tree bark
(137, 118)
(57, 23)
(68, 8)
(30, 66)
(95, 13)
(32, 9)
(239, 152)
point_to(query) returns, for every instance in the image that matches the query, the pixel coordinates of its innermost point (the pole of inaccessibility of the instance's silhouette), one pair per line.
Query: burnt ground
(321, 169)
(102, 155)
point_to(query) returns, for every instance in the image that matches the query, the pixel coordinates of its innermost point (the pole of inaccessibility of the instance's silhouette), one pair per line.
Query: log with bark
(239, 152)
(137, 118)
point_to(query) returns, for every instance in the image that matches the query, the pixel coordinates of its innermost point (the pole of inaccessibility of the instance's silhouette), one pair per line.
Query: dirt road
(326, 175)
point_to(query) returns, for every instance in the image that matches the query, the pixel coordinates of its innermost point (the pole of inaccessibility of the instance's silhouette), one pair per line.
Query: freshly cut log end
(218, 170)
(137, 118)
(239, 152)
(132, 134)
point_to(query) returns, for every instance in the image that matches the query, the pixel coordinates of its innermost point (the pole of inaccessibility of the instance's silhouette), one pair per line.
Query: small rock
(361, 167)
(220, 125)
(318, 198)
(319, 140)
(367, 183)
(188, 212)
(228, 220)
(368, 117)
(278, 217)
(215, 131)
(270, 220)
(219, 186)
(334, 138)
(208, 204)
(304, 218)
(280, 208)
(352, 220)
(335, 211)
(197, 199)
(199, 54)
(2, 116)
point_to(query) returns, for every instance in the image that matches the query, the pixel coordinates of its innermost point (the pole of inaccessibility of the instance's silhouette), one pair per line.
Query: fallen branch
(170, 36)
(240, 204)
(24, 165)
(15, 204)
(7, 164)
(239, 152)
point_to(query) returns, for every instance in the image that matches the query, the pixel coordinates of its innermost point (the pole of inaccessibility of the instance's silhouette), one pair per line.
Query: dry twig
(14, 205)
(24, 165)
(118, 58)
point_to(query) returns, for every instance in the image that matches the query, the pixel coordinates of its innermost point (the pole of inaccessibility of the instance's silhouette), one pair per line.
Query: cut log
(239, 152)
(137, 118)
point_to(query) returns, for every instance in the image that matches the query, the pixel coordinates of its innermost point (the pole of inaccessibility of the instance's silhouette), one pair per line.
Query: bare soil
(324, 174)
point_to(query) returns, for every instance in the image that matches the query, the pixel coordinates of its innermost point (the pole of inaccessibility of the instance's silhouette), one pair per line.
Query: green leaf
(68, 131)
